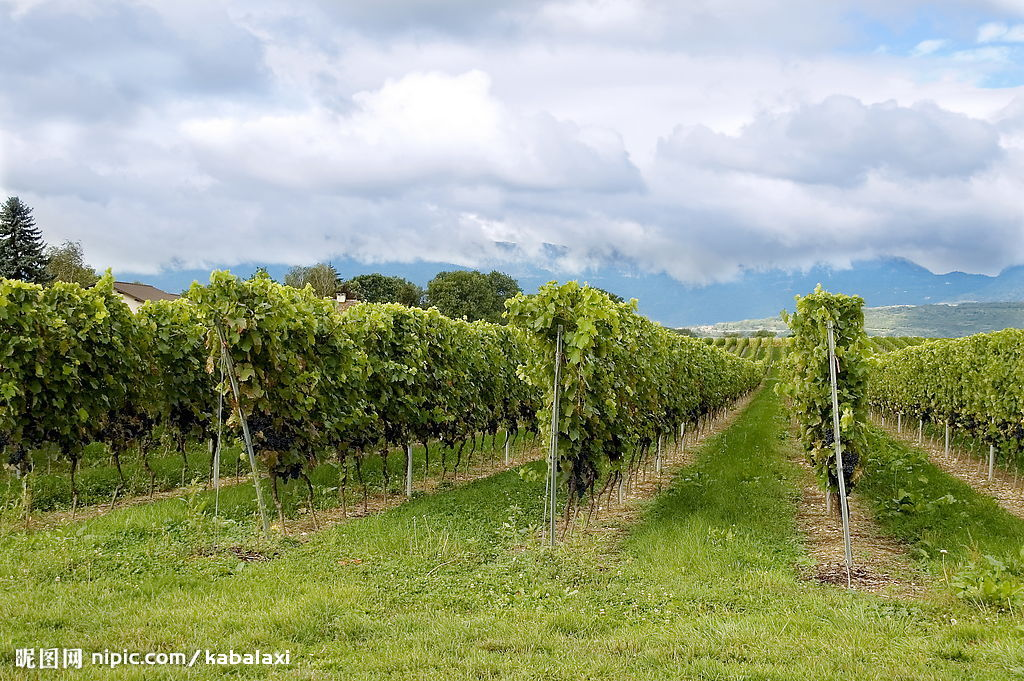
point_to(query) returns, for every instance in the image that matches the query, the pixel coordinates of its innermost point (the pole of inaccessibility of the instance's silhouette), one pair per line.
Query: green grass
(957, 532)
(457, 585)
(97, 480)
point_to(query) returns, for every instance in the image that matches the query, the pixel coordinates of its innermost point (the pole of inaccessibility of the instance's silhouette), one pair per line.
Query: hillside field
(951, 320)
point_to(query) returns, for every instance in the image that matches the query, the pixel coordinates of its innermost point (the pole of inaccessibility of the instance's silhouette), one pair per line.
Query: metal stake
(844, 506)
(657, 461)
(220, 440)
(408, 470)
(245, 430)
(553, 453)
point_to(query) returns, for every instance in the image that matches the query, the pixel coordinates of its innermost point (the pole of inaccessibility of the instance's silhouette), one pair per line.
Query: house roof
(143, 292)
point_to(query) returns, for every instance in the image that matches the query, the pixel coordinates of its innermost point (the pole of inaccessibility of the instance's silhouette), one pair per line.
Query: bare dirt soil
(880, 563)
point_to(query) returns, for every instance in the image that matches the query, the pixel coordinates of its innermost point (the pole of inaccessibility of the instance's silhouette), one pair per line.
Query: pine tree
(22, 251)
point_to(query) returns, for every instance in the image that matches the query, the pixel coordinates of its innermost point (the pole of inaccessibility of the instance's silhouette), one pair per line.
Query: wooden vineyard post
(230, 366)
(899, 422)
(945, 448)
(552, 501)
(408, 470)
(836, 436)
(991, 461)
(920, 430)
(507, 439)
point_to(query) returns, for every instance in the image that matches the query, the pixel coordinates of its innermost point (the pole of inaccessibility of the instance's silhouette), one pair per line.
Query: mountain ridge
(937, 320)
(753, 294)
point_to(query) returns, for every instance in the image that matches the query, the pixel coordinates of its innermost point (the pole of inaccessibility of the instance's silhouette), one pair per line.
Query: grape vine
(74, 371)
(625, 380)
(975, 384)
(809, 388)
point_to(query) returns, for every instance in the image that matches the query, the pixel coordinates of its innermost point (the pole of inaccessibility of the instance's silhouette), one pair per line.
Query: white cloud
(425, 128)
(615, 18)
(982, 55)
(926, 47)
(991, 31)
(840, 141)
(998, 32)
(694, 139)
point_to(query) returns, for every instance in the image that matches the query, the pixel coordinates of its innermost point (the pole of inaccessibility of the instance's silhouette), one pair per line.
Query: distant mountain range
(946, 320)
(754, 294)
(1008, 286)
(882, 283)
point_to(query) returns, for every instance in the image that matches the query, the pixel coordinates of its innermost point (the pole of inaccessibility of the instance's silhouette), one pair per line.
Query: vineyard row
(311, 384)
(975, 384)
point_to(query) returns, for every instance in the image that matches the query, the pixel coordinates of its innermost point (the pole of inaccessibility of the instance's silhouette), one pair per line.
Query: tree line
(469, 294)
(458, 294)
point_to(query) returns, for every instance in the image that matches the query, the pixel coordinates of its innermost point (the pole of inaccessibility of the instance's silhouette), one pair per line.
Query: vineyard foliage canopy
(317, 384)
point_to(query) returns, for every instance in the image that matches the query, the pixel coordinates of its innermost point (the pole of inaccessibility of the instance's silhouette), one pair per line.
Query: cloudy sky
(688, 139)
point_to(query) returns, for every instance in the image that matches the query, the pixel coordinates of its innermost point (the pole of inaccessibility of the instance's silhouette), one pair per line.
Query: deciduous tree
(322, 277)
(472, 294)
(67, 263)
(380, 288)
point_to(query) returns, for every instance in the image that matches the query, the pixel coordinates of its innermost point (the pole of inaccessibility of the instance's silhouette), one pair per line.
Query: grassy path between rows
(457, 586)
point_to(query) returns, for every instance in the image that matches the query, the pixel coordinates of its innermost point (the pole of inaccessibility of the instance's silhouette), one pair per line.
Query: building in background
(343, 301)
(136, 294)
